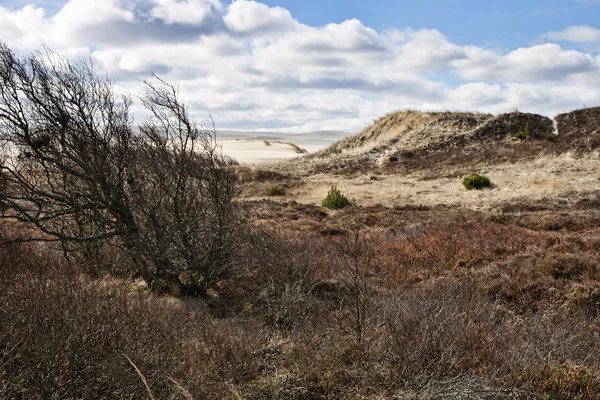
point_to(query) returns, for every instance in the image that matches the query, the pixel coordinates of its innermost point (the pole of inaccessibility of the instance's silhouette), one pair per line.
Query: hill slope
(414, 138)
(412, 157)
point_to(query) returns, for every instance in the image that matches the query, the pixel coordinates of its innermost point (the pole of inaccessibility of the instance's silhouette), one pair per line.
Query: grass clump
(476, 181)
(335, 200)
(525, 133)
(276, 191)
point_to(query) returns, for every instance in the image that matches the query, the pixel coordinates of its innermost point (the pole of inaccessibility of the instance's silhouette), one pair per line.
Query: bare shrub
(289, 332)
(283, 274)
(356, 254)
(448, 329)
(77, 170)
(443, 245)
(65, 336)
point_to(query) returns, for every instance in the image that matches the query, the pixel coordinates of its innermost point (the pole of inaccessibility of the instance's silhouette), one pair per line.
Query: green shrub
(276, 191)
(336, 200)
(526, 133)
(527, 130)
(476, 181)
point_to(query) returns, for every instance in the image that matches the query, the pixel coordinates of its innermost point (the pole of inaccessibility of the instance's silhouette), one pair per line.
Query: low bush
(527, 130)
(456, 309)
(476, 181)
(64, 335)
(335, 200)
(276, 191)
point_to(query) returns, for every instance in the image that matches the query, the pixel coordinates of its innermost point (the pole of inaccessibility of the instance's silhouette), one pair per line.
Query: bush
(527, 130)
(65, 336)
(276, 191)
(160, 190)
(476, 181)
(526, 133)
(335, 200)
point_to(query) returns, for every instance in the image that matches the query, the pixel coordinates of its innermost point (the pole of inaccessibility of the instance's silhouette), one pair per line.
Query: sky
(308, 65)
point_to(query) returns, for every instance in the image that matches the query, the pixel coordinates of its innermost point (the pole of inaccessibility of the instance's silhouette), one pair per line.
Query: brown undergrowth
(453, 305)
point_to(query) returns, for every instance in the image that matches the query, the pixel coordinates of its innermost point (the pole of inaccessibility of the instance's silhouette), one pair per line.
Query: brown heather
(461, 305)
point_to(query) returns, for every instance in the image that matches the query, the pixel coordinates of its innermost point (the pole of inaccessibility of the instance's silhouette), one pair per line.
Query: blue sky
(305, 65)
(505, 23)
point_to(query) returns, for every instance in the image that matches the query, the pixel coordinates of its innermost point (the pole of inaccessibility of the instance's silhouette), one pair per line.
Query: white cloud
(429, 50)
(83, 22)
(251, 17)
(256, 67)
(337, 55)
(208, 54)
(477, 95)
(481, 64)
(84, 14)
(25, 27)
(184, 11)
(576, 34)
(549, 61)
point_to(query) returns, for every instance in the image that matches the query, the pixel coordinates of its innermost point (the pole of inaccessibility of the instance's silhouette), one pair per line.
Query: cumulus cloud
(206, 55)
(577, 34)
(257, 67)
(549, 62)
(184, 11)
(429, 50)
(24, 27)
(479, 93)
(84, 22)
(251, 17)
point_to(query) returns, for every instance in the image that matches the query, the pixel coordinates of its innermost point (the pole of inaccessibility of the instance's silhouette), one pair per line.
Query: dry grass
(407, 134)
(544, 177)
(411, 157)
(461, 295)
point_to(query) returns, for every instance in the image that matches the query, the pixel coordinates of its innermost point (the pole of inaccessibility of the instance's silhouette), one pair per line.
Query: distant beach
(255, 147)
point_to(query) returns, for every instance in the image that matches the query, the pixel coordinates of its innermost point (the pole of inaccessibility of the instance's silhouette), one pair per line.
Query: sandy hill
(406, 132)
(580, 129)
(413, 157)
(411, 140)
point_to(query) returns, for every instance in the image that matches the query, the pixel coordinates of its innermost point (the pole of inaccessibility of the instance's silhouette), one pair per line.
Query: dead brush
(417, 253)
(448, 329)
(282, 270)
(63, 336)
(284, 322)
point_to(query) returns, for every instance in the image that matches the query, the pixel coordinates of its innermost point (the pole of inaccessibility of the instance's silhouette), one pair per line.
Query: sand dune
(255, 147)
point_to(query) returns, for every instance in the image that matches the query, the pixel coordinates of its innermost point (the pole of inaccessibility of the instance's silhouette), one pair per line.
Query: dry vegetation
(423, 290)
(452, 304)
(418, 158)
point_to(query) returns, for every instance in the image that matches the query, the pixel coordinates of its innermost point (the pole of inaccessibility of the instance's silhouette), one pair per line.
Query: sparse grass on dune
(415, 140)
(566, 176)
